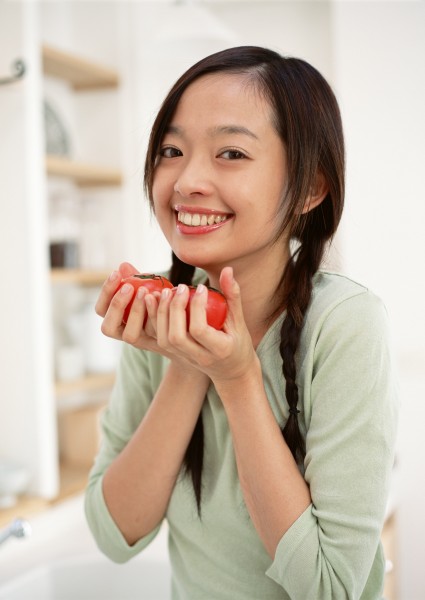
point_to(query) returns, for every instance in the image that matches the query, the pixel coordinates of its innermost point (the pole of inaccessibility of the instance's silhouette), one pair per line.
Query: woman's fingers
(198, 317)
(151, 308)
(107, 292)
(110, 286)
(160, 321)
(171, 318)
(112, 324)
(136, 319)
(126, 269)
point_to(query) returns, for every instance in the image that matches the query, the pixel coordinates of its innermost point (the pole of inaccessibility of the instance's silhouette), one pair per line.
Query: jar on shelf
(64, 229)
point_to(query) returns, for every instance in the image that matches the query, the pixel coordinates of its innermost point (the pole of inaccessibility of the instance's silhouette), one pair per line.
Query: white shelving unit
(80, 75)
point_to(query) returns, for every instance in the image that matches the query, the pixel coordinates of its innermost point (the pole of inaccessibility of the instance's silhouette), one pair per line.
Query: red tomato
(216, 307)
(154, 283)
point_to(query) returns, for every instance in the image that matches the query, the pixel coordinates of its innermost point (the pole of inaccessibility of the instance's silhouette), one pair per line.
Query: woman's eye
(170, 152)
(232, 154)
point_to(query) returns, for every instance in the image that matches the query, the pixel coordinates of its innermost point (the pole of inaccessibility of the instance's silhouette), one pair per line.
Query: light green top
(348, 402)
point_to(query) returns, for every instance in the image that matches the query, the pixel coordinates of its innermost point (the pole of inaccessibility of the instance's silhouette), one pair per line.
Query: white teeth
(197, 219)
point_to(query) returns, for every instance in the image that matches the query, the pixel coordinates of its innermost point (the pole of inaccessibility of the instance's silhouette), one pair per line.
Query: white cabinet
(84, 365)
(30, 392)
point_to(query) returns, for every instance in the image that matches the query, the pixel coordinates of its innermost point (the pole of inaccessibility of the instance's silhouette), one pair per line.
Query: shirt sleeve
(130, 399)
(350, 404)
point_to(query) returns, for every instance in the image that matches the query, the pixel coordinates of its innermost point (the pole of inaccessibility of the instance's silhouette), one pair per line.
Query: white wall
(380, 78)
(379, 50)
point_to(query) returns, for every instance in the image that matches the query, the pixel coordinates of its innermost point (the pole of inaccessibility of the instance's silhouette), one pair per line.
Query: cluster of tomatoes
(216, 304)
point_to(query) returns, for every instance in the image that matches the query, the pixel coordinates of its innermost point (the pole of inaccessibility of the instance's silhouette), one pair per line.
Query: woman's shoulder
(340, 301)
(331, 285)
(330, 289)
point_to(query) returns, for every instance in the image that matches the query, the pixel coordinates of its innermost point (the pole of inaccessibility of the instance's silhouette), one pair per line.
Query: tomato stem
(147, 276)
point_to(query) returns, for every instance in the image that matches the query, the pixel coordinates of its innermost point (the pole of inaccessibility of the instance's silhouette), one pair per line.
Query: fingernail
(114, 276)
(181, 288)
(200, 289)
(126, 288)
(165, 293)
(141, 292)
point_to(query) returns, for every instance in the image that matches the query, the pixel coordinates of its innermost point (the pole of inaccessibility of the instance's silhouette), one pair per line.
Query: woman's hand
(111, 305)
(222, 355)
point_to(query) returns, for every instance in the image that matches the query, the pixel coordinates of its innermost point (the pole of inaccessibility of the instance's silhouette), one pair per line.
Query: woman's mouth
(200, 221)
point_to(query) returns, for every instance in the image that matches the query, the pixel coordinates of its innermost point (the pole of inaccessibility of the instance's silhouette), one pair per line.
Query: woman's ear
(317, 195)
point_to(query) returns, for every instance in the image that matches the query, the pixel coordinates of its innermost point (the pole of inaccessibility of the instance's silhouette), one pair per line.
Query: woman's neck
(258, 285)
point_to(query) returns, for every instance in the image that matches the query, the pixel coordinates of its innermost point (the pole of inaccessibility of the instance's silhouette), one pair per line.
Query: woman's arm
(274, 490)
(138, 484)
(331, 548)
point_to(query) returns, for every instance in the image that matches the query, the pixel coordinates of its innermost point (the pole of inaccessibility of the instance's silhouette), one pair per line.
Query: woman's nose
(195, 178)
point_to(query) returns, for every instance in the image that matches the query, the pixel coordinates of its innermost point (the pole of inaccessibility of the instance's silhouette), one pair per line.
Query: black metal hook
(18, 69)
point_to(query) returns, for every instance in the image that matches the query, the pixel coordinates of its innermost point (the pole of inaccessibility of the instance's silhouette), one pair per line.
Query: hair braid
(181, 272)
(298, 284)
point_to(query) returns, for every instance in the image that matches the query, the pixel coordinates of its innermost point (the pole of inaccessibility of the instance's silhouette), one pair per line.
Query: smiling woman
(218, 159)
(268, 445)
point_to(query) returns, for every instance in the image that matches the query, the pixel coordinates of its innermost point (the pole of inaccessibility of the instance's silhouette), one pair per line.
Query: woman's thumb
(231, 290)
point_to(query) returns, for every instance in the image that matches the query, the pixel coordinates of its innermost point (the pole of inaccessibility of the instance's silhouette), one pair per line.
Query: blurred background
(80, 84)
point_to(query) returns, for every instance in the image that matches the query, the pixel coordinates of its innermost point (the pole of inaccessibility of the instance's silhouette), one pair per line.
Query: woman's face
(220, 176)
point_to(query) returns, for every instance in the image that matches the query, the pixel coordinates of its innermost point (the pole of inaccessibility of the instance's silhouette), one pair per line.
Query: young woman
(267, 446)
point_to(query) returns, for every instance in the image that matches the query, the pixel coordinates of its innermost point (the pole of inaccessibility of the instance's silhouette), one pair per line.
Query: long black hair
(307, 118)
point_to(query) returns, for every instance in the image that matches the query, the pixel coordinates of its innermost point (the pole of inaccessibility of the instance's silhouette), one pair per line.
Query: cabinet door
(27, 412)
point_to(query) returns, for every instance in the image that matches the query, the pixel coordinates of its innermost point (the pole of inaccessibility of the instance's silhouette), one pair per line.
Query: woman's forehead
(228, 103)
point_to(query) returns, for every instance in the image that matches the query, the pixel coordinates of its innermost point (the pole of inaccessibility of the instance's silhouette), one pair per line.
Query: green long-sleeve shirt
(348, 403)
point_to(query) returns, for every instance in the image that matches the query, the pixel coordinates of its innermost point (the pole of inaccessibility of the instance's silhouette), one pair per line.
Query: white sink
(60, 561)
(91, 578)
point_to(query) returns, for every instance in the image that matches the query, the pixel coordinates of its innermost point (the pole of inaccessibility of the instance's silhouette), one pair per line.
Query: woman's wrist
(248, 381)
(186, 374)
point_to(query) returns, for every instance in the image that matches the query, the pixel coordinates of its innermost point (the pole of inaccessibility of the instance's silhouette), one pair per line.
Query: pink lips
(199, 229)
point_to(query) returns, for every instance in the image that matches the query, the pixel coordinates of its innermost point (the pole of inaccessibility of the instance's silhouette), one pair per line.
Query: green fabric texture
(349, 404)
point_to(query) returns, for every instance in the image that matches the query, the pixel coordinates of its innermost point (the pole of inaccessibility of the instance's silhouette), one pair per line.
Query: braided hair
(307, 118)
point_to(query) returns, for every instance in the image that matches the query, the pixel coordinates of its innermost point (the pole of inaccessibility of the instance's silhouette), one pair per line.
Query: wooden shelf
(78, 276)
(84, 174)
(89, 383)
(80, 73)
(73, 480)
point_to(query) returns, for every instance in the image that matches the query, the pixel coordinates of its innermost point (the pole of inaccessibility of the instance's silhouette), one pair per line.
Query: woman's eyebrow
(232, 129)
(174, 129)
(216, 131)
